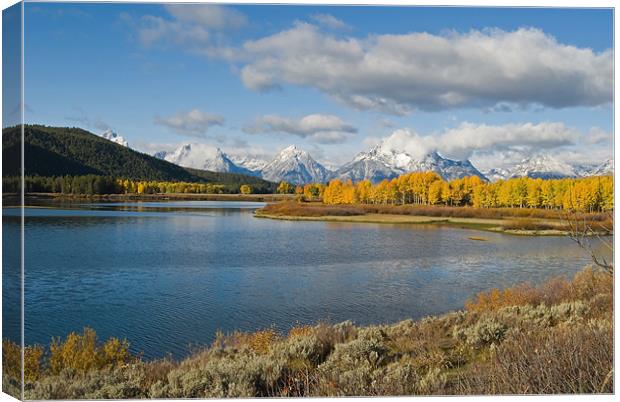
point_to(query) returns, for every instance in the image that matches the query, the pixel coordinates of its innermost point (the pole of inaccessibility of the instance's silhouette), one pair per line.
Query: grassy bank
(523, 221)
(554, 338)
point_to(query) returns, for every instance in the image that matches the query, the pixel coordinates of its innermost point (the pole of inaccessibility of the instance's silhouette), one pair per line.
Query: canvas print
(249, 200)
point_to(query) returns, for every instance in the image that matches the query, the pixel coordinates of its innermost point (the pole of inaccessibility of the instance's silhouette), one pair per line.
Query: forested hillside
(62, 151)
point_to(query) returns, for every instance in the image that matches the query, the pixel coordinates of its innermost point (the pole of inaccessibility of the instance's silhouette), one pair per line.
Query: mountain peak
(295, 166)
(292, 150)
(114, 137)
(202, 156)
(384, 162)
(543, 166)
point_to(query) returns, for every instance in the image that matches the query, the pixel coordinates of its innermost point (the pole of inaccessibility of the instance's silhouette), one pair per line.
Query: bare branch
(582, 233)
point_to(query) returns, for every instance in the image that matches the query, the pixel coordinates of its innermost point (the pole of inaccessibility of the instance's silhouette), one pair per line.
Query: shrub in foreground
(552, 338)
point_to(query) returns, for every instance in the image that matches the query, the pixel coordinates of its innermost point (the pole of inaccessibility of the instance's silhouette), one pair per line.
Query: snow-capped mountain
(382, 162)
(252, 164)
(548, 167)
(332, 167)
(585, 169)
(202, 156)
(544, 167)
(161, 154)
(604, 168)
(496, 174)
(112, 136)
(295, 166)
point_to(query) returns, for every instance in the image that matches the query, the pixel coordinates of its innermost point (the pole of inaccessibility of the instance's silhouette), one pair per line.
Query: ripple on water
(167, 275)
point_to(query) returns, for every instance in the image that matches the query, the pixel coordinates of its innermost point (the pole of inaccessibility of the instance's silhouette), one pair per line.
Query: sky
(494, 85)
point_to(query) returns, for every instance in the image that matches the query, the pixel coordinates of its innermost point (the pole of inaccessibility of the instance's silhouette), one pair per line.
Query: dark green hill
(59, 151)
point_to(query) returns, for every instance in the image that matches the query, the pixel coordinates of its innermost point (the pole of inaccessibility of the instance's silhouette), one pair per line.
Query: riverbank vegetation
(511, 220)
(105, 185)
(590, 194)
(426, 189)
(553, 338)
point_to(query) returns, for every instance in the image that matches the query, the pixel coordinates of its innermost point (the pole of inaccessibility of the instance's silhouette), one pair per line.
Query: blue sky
(489, 84)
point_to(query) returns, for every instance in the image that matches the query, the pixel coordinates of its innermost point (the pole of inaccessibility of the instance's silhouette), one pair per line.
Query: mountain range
(547, 167)
(291, 164)
(204, 157)
(56, 151)
(59, 151)
(297, 166)
(383, 162)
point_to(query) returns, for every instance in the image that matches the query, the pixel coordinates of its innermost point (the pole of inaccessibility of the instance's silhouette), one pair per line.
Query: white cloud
(467, 139)
(398, 73)
(329, 21)
(595, 156)
(193, 123)
(198, 27)
(321, 128)
(596, 135)
(491, 69)
(208, 16)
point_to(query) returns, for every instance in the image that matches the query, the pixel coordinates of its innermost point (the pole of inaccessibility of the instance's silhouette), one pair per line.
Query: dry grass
(518, 218)
(471, 212)
(585, 285)
(528, 224)
(553, 338)
(558, 361)
(293, 208)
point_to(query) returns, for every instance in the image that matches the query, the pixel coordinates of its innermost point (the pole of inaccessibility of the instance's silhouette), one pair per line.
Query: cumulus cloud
(398, 73)
(196, 26)
(209, 16)
(465, 140)
(596, 135)
(321, 128)
(329, 21)
(193, 123)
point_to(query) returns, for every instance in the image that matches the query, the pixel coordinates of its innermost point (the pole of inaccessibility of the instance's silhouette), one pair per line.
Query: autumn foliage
(553, 338)
(589, 194)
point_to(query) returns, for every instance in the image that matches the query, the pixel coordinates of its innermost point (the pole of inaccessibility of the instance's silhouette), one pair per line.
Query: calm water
(167, 275)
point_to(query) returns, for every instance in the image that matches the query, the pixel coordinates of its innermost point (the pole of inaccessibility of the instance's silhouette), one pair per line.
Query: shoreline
(494, 225)
(159, 197)
(461, 352)
(481, 224)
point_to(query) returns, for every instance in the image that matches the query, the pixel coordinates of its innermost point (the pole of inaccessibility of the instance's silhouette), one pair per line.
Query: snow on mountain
(332, 167)
(295, 166)
(604, 168)
(202, 156)
(382, 162)
(544, 167)
(161, 154)
(585, 169)
(252, 164)
(112, 136)
(548, 167)
(496, 174)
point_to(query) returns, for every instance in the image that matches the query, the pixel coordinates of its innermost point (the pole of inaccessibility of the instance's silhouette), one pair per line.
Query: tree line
(101, 185)
(588, 194)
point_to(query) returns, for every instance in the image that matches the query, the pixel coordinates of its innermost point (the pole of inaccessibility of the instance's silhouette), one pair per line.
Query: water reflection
(165, 276)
